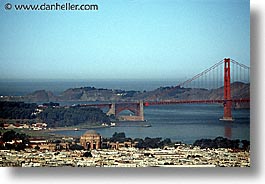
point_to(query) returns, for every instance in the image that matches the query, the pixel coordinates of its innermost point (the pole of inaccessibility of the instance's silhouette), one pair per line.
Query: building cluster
(119, 154)
(92, 140)
(33, 126)
(182, 156)
(26, 124)
(43, 144)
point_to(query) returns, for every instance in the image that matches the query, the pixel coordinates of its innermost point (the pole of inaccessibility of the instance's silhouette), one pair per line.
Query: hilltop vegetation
(17, 110)
(238, 90)
(54, 116)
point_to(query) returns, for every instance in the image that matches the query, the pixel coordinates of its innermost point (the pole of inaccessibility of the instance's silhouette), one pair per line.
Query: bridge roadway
(167, 102)
(137, 107)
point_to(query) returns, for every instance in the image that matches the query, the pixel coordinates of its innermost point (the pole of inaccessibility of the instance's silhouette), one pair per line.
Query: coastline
(73, 128)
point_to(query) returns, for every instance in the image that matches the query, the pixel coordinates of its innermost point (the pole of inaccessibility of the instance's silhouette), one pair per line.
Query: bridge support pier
(227, 92)
(136, 108)
(111, 110)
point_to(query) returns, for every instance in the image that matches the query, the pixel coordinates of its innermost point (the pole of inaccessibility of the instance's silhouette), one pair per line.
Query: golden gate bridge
(219, 76)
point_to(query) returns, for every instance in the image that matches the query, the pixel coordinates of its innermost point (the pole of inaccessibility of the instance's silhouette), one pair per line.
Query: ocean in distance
(180, 122)
(24, 87)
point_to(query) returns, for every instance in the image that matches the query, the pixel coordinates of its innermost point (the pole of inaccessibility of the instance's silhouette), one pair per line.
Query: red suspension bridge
(222, 83)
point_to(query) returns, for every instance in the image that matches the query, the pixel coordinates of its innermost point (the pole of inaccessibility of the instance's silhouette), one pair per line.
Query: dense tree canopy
(148, 142)
(221, 142)
(87, 154)
(76, 147)
(142, 143)
(120, 137)
(55, 117)
(12, 135)
(17, 110)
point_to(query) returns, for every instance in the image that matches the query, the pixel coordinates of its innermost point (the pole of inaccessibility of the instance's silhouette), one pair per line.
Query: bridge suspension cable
(213, 77)
(210, 79)
(202, 77)
(240, 72)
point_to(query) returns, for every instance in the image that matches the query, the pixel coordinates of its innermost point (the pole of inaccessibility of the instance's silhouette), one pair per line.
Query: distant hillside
(238, 90)
(41, 96)
(94, 94)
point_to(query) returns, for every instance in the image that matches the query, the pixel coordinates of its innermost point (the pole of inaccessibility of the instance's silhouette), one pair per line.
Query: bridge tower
(227, 92)
(141, 110)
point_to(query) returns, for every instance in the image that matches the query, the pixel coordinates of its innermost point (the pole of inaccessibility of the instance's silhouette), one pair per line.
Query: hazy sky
(133, 39)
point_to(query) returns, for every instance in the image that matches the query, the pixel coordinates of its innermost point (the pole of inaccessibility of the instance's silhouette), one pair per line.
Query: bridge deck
(168, 102)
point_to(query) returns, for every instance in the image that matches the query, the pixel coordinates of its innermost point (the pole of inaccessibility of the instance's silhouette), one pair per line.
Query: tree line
(158, 142)
(58, 117)
(221, 142)
(53, 115)
(147, 142)
(17, 110)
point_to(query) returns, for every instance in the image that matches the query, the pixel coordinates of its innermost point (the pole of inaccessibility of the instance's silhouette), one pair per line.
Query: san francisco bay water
(181, 122)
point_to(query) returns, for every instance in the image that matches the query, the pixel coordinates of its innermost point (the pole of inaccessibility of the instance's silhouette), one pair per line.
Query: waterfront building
(117, 145)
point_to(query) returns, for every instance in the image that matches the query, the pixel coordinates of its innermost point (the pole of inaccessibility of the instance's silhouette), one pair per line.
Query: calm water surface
(182, 122)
